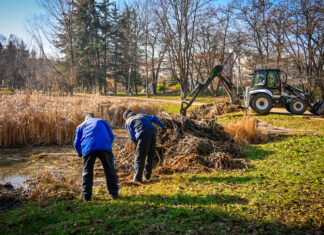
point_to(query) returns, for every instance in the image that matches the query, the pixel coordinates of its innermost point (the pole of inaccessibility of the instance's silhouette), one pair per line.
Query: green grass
(281, 192)
(6, 92)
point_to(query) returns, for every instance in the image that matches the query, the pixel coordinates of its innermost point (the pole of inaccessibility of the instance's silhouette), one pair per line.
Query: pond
(18, 164)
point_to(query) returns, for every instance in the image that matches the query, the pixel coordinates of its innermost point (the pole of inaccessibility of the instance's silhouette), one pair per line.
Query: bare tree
(256, 17)
(178, 19)
(305, 41)
(59, 32)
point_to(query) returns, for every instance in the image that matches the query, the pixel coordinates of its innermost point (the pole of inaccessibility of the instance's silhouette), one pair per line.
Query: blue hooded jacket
(136, 124)
(92, 135)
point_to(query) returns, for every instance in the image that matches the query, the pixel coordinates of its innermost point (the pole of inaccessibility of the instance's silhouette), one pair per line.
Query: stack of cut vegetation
(188, 146)
(41, 119)
(47, 185)
(219, 107)
(246, 131)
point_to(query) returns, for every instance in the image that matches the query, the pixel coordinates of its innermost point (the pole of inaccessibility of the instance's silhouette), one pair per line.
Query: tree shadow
(187, 200)
(253, 152)
(228, 179)
(185, 214)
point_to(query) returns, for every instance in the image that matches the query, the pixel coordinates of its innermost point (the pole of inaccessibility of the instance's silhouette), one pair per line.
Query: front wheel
(287, 107)
(297, 106)
(262, 103)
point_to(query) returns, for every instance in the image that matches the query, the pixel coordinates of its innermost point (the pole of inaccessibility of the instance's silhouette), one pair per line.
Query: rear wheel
(262, 103)
(297, 106)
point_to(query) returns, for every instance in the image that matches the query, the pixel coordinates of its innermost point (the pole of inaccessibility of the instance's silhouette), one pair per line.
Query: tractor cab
(269, 79)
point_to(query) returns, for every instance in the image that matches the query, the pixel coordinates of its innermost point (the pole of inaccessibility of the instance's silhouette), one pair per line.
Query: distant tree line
(20, 68)
(132, 44)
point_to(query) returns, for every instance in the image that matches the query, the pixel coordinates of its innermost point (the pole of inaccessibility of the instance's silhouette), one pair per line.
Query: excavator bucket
(318, 108)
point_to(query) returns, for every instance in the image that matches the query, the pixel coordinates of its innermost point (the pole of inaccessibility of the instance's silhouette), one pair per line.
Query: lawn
(280, 192)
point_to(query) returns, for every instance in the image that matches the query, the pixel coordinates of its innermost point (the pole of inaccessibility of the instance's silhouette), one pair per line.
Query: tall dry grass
(42, 120)
(246, 131)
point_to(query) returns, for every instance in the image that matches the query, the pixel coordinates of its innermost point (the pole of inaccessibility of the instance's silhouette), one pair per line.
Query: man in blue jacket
(140, 129)
(93, 139)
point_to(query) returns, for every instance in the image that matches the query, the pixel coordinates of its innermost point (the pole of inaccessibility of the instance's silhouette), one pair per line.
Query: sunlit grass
(280, 192)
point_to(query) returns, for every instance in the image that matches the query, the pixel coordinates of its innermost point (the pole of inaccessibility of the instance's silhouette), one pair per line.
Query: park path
(153, 100)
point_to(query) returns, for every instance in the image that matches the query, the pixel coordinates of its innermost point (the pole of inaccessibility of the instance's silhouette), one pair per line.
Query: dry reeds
(246, 131)
(40, 119)
(47, 185)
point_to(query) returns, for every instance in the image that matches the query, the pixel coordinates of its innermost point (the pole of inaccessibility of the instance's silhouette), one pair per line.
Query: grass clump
(246, 131)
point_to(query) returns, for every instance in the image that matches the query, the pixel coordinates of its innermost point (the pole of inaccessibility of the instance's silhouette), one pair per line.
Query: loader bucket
(318, 108)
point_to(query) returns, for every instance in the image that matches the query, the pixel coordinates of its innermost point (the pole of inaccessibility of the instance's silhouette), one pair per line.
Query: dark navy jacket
(138, 123)
(91, 135)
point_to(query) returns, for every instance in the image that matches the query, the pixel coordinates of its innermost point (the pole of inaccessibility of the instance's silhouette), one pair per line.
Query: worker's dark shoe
(114, 196)
(147, 177)
(86, 199)
(137, 181)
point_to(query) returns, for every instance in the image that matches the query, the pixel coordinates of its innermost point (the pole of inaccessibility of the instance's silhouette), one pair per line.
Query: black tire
(261, 103)
(297, 106)
(287, 107)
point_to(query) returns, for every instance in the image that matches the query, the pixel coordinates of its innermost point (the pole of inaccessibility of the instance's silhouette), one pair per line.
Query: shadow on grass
(256, 153)
(228, 179)
(187, 200)
(146, 214)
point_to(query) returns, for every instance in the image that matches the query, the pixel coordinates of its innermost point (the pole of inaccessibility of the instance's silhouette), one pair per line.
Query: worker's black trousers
(107, 160)
(145, 150)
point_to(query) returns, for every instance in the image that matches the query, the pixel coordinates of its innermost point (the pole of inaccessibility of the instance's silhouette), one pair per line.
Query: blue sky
(13, 15)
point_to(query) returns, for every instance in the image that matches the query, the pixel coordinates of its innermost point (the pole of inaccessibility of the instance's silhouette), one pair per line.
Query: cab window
(259, 79)
(273, 80)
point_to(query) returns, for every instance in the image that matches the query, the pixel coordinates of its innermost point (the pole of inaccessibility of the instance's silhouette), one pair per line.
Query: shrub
(175, 87)
(160, 87)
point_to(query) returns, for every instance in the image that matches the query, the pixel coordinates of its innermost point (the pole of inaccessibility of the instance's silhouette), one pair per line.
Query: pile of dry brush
(188, 146)
(44, 185)
(219, 107)
(41, 119)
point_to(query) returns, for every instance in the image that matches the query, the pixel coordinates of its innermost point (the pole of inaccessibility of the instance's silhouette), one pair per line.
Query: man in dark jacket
(140, 129)
(94, 139)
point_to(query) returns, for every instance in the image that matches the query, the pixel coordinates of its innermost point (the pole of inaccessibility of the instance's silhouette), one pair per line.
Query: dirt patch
(9, 197)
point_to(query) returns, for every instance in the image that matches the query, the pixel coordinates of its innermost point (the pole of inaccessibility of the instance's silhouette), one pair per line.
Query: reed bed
(27, 119)
(246, 131)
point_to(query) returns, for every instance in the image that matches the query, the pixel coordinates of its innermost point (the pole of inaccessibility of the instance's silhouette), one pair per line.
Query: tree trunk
(183, 90)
